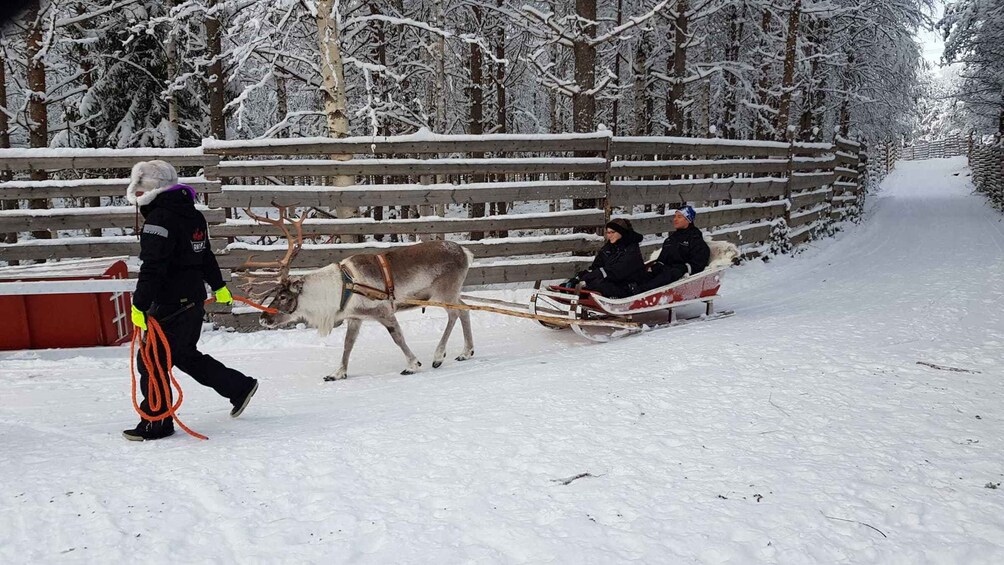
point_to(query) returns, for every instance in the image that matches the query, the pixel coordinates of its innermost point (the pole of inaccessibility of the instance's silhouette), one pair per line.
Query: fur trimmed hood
(149, 179)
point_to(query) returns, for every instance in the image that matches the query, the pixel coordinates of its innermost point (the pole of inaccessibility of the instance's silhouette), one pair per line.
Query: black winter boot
(241, 402)
(147, 430)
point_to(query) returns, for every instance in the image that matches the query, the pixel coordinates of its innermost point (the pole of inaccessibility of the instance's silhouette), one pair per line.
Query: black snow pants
(182, 332)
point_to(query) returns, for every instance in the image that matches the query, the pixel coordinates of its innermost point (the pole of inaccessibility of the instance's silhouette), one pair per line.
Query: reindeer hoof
(335, 377)
(466, 356)
(437, 364)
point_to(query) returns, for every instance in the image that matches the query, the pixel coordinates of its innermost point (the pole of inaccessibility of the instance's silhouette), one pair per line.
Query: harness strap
(347, 286)
(350, 287)
(388, 278)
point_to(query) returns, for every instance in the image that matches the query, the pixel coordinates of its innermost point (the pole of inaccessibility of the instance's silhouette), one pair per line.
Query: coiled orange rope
(158, 375)
(159, 379)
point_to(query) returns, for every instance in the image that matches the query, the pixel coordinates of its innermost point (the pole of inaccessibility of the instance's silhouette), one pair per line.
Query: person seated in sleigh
(618, 266)
(684, 253)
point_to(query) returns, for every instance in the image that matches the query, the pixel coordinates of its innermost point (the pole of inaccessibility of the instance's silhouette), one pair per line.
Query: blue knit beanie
(688, 212)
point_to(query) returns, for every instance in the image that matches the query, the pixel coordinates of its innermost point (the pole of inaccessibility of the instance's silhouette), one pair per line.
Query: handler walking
(177, 263)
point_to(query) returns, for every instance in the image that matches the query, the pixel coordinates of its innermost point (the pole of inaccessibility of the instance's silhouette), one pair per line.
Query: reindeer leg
(465, 323)
(351, 332)
(395, 332)
(437, 360)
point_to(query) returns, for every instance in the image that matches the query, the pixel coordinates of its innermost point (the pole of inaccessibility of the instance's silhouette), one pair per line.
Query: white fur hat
(150, 178)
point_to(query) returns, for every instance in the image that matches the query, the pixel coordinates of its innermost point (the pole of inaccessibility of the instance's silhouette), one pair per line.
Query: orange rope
(250, 303)
(150, 355)
(157, 375)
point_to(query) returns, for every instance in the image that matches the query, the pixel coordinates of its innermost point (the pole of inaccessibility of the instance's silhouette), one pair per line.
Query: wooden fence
(987, 163)
(539, 202)
(952, 146)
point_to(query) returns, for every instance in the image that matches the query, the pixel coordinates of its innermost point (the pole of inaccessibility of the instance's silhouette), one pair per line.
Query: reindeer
(368, 287)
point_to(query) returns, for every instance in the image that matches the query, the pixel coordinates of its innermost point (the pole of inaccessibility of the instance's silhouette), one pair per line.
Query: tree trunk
(763, 87)
(844, 115)
(787, 83)
(674, 103)
(439, 88)
(501, 102)
(616, 105)
(439, 93)
(706, 106)
(172, 74)
(5, 144)
(809, 89)
(88, 77)
(819, 99)
(333, 89)
(281, 103)
(736, 20)
(38, 118)
(217, 121)
(332, 70)
(377, 81)
(584, 100)
(476, 97)
(642, 98)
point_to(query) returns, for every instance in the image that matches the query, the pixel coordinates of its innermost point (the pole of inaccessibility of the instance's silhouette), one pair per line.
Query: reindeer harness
(350, 287)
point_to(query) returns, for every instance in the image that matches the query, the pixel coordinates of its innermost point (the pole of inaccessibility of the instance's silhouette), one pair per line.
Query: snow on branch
(631, 23)
(397, 21)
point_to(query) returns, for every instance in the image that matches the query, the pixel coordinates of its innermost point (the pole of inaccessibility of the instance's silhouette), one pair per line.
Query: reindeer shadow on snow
(368, 287)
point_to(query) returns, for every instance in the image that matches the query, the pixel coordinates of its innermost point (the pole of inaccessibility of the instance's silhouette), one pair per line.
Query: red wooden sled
(565, 302)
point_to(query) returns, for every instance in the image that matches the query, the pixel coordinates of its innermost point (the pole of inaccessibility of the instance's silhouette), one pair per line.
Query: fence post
(605, 203)
(863, 166)
(787, 189)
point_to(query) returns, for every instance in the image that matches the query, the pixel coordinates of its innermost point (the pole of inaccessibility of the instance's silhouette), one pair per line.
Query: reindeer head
(285, 300)
(283, 290)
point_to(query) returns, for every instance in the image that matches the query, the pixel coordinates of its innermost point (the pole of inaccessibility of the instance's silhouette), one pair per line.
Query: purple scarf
(186, 188)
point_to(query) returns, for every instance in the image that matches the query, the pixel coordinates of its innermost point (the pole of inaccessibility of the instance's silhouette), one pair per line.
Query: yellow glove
(138, 318)
(223, 296)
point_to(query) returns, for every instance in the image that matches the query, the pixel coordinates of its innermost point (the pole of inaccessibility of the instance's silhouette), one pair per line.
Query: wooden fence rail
(987, 163)
(952, 146)
(529, 207)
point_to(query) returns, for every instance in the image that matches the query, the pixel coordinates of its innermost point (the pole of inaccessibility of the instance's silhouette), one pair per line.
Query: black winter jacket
(619, 262)
(174, 250)
(684, 250)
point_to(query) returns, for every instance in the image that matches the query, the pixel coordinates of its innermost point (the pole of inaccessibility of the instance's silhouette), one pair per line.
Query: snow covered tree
(126, 73)
(974, 36)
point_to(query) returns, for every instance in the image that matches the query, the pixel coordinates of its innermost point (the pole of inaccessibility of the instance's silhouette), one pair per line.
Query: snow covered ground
(801, 430)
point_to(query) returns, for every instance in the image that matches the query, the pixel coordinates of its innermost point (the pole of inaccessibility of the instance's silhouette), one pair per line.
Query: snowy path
(773, 436)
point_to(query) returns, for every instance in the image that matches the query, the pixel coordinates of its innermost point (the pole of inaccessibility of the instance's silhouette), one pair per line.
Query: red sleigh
(577, 305)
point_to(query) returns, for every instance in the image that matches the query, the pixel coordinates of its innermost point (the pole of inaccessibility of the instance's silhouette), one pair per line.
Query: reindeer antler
(295, 244)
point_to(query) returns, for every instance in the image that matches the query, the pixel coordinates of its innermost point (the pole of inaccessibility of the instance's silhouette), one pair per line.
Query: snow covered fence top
(422, 143)
(51, 159)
